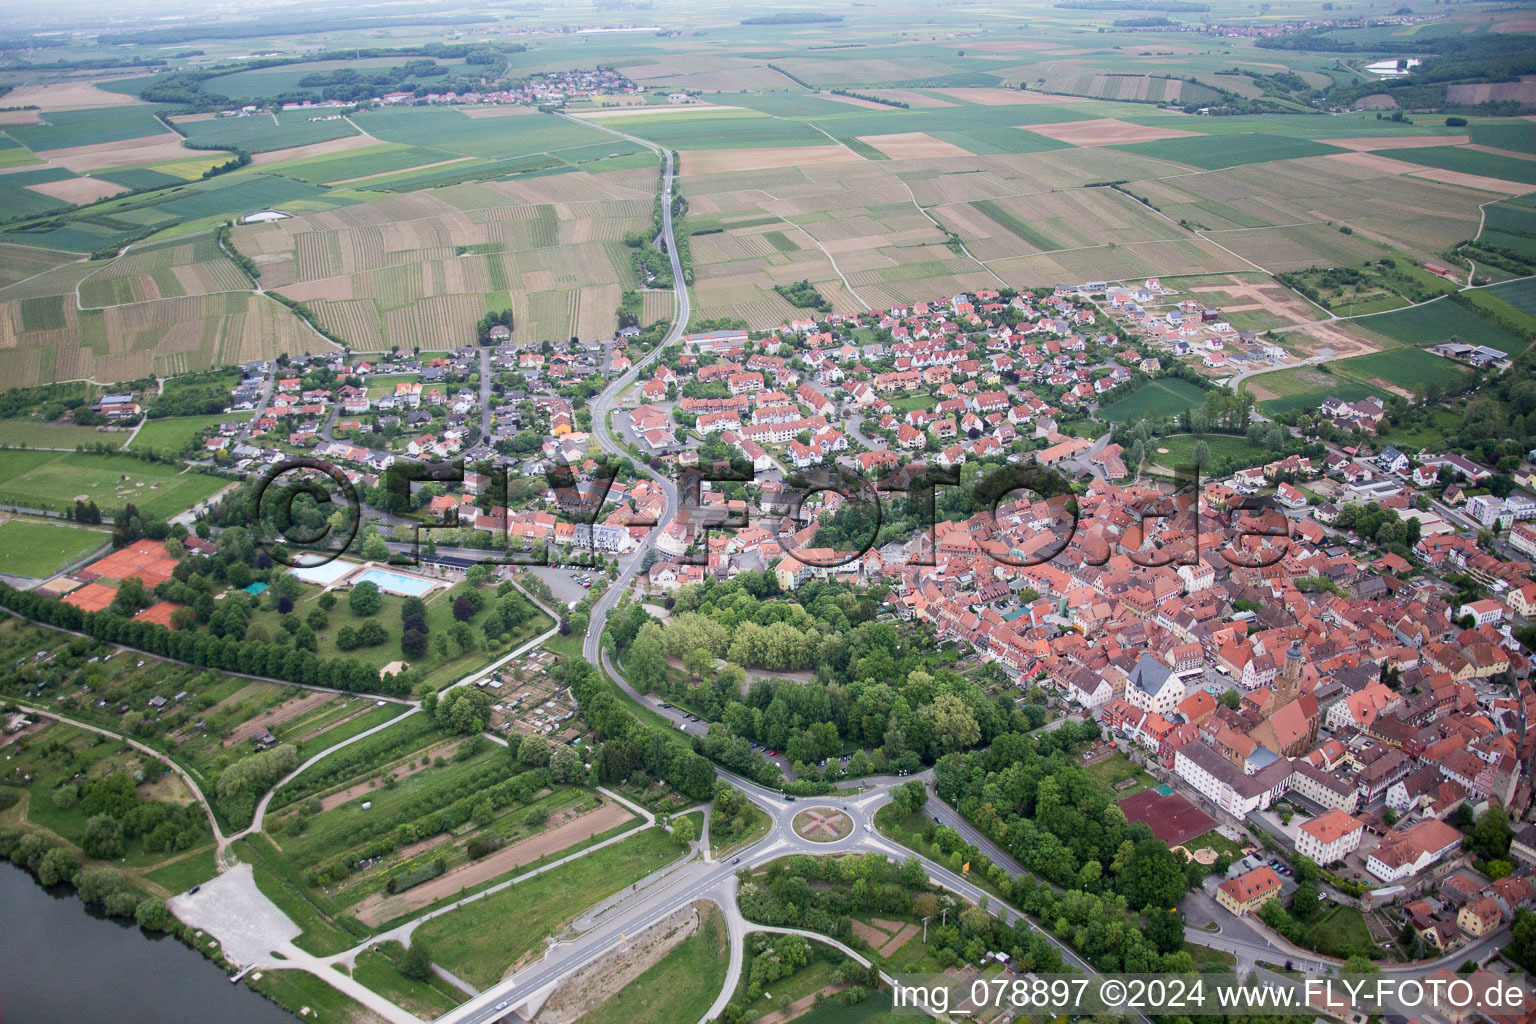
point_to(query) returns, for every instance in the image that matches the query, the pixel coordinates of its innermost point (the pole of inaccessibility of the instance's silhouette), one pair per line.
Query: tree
(1491, 835)
(464, 709)
(96, 885)
(417, 962)
(954, 726)
(565, 765)
(57, 866)
(364, 599)
(684, 831)
(103, 837)
(463, 609)
(533, 752)
(153, 915)
(1202, 454)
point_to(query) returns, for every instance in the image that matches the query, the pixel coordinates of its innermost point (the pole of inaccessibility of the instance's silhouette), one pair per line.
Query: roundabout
(823, 825)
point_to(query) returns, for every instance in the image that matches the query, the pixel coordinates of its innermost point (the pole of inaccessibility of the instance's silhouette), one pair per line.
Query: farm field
(168, 308)
(410, 270)
(1470, 161)
(1167, 397)
(1437, 322)
(52, 481)
(38, 550)
(1408, 368)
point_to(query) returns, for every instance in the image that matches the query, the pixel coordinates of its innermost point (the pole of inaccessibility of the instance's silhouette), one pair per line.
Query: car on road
(773, 753)
(194, 890)
(736, 860)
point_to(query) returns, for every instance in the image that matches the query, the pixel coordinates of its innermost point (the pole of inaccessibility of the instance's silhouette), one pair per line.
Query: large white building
(1407, 852)
(1329, 837)
(1225, 785)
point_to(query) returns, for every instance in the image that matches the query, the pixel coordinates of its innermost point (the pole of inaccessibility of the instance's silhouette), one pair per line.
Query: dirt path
(285, 712)
(799, 1006)
(380, 907)
(900, 939)
(328, 726)
(400, 771)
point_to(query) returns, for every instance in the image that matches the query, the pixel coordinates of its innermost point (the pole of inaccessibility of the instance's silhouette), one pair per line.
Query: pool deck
(357, 570)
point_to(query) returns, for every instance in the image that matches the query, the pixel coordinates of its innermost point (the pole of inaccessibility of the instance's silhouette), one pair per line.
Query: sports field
(53, 480)
(29, 548)
(1167, 397)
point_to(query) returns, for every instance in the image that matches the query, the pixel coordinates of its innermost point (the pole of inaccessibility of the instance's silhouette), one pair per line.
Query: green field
(1215, 151)
(725, 129)
(1470, 161)
(679, 987)
(30, 433)
(64, 129)
(174, 433)
(261, 133)
(1516, 136)
(1305, 387)
(51, 480)
(41, 549)
(1520, 294)
(1410, 368)
(1434, 323)
(1166, 397)
(182, 874)
(427, 999)
(1223, 447)
(479, 941)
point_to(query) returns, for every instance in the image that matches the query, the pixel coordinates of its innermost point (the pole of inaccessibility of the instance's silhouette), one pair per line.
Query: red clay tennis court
(146, 559)
(1173, 819)
(92, 597)
(158, 613)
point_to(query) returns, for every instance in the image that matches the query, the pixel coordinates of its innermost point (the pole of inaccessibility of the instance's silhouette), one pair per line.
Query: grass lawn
(907, 403)
(1205, 955)
(52, 480)
(875, 1009)
(1430, 434)
(811, 978)
(41, 549)
(1340, 932)
(1305, 387)
(478, 942)
(1223, 448)
(295, 990)
(725, 842)
(173, 433)
(1115, 768)
(1164, 397)
(439, 669)
(679, 987)
(28, 433)
(426, 999)
(1411, 368)
(181, 875)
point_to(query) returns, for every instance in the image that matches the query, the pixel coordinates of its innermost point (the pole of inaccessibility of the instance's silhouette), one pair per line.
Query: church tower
(1288, 687)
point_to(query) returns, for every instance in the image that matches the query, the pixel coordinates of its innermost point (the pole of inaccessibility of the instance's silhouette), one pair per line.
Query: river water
(61, 963)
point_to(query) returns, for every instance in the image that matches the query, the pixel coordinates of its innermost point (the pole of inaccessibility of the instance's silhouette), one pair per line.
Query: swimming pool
(395, 583)
(324, 575)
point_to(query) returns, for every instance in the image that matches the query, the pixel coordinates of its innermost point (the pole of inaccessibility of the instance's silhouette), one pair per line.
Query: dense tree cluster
(630, 748)
(1050, 815)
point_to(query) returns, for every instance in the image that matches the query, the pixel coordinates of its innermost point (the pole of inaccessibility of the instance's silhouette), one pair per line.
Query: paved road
(485, 393)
